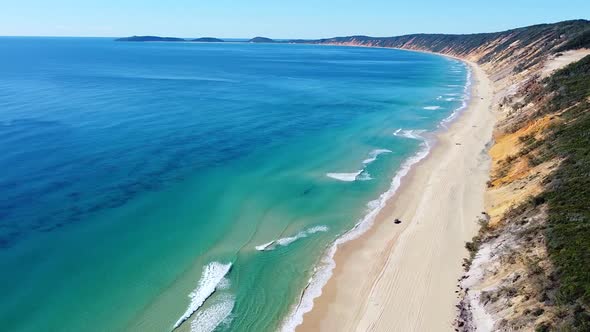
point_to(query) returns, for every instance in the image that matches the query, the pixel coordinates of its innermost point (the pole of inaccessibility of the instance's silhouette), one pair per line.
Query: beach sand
(403, 277)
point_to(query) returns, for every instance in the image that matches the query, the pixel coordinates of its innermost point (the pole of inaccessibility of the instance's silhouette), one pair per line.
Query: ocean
(197, 186)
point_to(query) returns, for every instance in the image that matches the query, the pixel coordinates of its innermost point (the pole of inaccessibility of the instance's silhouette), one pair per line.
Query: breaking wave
(362, 174)
(283, 242)
(464, 100)
(374, 154)
(411, 133)
(210, 318)
(213, 276)
(348, 177)
(431, 108)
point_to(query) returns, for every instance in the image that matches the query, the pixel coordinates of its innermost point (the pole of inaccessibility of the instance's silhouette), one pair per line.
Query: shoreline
(342, 301)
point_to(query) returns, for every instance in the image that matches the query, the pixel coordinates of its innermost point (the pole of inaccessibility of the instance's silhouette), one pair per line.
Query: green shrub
(568, 197)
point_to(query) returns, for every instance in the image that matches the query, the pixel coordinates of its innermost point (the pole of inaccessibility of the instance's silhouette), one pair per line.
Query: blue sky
(276, 18)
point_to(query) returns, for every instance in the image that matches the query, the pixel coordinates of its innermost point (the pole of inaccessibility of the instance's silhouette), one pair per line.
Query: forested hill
(532, 43)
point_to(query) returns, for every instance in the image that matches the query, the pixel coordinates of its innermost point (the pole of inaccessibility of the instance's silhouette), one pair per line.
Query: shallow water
(133, 174)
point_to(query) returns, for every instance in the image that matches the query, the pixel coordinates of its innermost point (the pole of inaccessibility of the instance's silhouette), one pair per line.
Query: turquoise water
(136, 174)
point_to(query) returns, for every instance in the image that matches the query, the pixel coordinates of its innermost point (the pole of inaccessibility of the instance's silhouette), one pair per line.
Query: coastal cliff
(529, 266)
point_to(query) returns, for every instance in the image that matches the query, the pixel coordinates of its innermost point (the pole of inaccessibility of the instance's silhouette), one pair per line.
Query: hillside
(168, 39)
(529, 267)
(207, 40)
(508, 47)
(261, 40)
(149, 39)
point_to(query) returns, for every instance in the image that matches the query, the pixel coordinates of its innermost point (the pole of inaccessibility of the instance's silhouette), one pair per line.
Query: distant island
(261, 40)
(150, 39)
(208, 40)
(169, 39)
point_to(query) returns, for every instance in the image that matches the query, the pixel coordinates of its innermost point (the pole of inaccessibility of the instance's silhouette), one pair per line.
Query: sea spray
(212, 277)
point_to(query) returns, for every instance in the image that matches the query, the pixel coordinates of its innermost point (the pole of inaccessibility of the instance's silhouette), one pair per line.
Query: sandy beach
(403, 277)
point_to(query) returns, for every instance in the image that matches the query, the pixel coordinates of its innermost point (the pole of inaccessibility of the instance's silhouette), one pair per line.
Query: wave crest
(211, 278)
(464, 100)
(347, 177)
(431, 108)
(209, 319)
(410, 133)
(374, 154)
(362, 174)
(283, 242)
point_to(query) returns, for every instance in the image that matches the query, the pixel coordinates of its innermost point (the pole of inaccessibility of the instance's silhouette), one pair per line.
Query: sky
(277, 18)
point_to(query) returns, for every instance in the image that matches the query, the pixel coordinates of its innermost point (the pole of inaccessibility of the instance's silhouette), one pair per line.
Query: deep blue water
(92, 129)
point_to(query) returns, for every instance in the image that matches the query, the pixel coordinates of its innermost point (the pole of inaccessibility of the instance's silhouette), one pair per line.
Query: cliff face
(501, 51)
(530, 264)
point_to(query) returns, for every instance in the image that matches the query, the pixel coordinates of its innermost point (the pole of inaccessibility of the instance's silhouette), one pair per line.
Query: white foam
(466, 96)
(224, 284)
(450, 99)
(374, 154)
(365, 176)
(323, 270)
(348, 177)
(412, 133)
(213, 275)
(263, 247)
(288, 240)
(317, 229)
(362, 174)
(431, 108)
(210, 318)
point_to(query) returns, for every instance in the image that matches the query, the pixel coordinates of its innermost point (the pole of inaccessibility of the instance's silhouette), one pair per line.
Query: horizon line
(297, 38)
